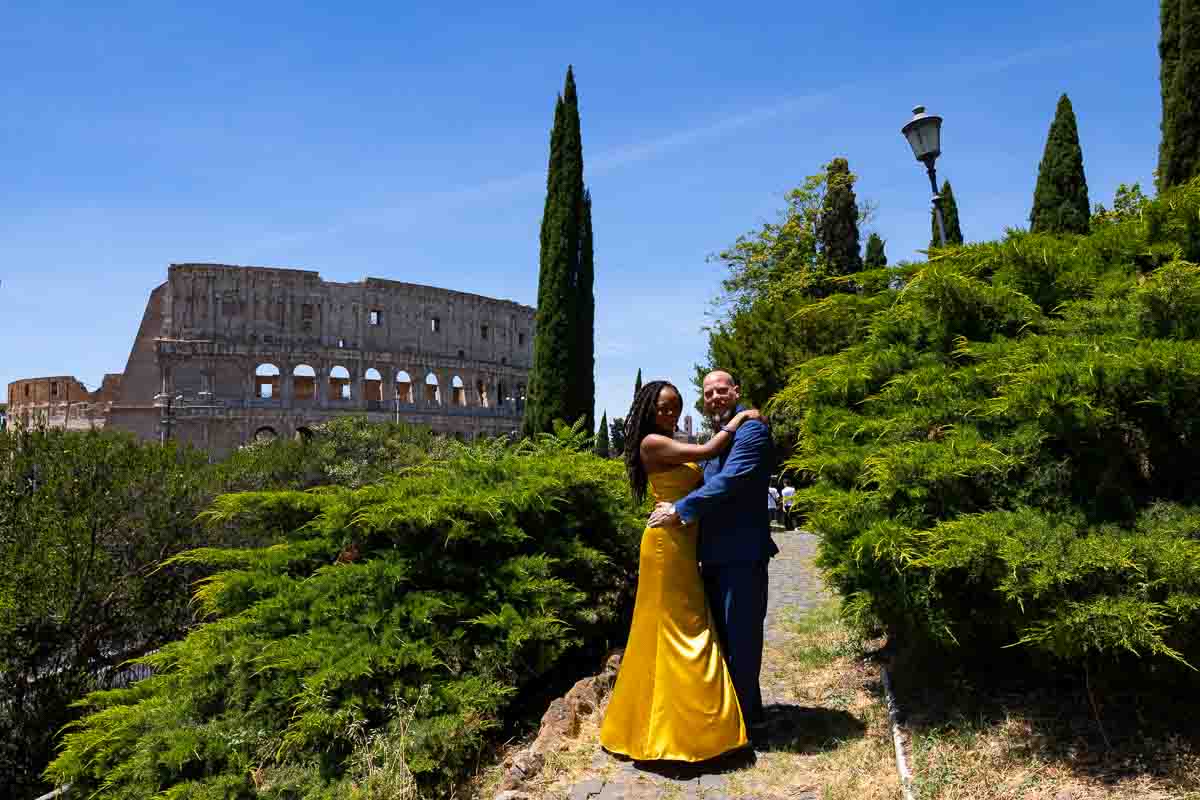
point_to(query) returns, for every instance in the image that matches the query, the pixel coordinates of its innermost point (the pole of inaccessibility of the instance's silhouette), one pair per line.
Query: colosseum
(227, 354)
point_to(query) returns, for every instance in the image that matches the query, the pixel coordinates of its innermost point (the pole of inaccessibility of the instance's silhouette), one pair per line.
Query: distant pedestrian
(789, 501)
(772, 504)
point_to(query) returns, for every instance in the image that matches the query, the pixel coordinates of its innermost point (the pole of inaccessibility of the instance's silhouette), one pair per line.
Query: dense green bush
(85, 520)
(1005, 451)
(396, 618)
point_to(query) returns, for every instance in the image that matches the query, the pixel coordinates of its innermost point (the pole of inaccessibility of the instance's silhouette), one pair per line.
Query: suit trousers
(737, 595)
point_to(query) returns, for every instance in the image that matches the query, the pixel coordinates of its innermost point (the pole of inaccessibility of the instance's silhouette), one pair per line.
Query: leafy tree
(637, 384)
(875, 258)
(837, 227)
(562, 380)
(1060, 200)
(1128, 203)
(366, 627)
(1179, 79)
(602, 437)
(949, 219)
(616, 431)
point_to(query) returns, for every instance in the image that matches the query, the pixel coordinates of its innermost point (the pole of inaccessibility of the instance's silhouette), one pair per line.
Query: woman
(674, 698)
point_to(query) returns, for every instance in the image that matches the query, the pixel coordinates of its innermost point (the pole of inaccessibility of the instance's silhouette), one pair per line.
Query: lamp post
(924, 135)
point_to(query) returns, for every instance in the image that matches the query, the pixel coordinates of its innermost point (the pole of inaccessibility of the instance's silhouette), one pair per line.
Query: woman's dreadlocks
(639, 422)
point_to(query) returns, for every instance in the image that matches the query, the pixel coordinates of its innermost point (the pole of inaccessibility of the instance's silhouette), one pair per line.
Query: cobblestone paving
(794, 587)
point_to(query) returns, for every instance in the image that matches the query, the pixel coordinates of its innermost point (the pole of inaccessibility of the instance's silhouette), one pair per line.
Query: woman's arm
(663, 451)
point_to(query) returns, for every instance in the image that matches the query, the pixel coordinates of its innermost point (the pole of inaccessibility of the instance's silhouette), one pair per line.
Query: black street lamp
(924, 135)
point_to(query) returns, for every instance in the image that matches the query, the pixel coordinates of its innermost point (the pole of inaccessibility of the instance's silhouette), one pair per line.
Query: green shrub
(1008, 457)
(441, 592)
(85, 518)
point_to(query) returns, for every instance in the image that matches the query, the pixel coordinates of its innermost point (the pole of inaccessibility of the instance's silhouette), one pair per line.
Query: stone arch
(373, 386)
(304, 382)
(265, 434)
(404, 390)
(481, 388)
(501, 393)
(266, 381)
(458, 392)
(339, 383)
(433, 391)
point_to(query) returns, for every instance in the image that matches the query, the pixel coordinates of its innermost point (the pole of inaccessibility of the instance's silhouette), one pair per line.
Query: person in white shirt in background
(773, 503)
(789, 497)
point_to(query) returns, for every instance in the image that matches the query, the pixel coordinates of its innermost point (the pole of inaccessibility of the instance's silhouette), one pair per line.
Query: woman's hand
(742, 416)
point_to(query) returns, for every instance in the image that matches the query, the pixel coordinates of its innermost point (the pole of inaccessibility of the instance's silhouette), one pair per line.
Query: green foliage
(837, 227)
(1003, 453)
(82, 516)
(85, 520)
(616, 433)
(378, 637)
(562, 379)
(1179, 78)
(875, 257)
(602, 437)
(1128, 203)
(1060, 199)
(949, 220)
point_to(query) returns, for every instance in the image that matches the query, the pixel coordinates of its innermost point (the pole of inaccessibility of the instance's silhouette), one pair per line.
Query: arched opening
(484, 399)
(339, 383)
(373, 386)
(404, 390)
(502, 397)
(266, 382)
(265, 434)
(520, 396)
(433, 392)
(304, 382)
(458, 392)
(303, 434)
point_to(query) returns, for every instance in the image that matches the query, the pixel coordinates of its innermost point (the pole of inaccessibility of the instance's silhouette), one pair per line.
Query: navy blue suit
(735, 546)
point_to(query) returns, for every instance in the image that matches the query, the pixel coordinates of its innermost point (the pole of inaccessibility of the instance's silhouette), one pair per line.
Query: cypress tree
(1060, 201)
(949, 219)
(562, 381)
(616, 430)
(1179, 83)
(875, 257)
(637, 384)
(837, 226)
(602, 436)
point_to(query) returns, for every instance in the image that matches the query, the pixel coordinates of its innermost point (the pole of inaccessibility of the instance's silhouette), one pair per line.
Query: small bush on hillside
(439, 592)
(1006, 451)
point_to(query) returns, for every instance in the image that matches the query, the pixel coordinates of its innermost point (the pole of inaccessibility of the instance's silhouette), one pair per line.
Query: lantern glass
(924, 134)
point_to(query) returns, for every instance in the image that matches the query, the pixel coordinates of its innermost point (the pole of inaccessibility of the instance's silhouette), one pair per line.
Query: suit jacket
(735, 526)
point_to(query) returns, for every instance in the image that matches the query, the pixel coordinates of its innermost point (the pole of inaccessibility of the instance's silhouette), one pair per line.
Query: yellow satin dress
(673, 699)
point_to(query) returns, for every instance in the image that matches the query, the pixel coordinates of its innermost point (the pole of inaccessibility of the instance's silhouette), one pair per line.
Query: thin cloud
(657, 147)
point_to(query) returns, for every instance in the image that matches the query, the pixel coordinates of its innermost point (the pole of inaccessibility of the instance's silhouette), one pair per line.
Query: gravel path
(794, 588)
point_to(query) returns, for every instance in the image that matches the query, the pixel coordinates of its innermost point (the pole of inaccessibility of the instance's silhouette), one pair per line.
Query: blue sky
(409, 142)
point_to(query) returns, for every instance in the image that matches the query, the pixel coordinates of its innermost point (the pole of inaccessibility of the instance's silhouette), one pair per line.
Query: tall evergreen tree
(1179, 81)
(562, 380)
(602, 436)
(837, 226)
(616, 430)
(1060, 201)
(949, 219)
(875, 257)
(637, 384)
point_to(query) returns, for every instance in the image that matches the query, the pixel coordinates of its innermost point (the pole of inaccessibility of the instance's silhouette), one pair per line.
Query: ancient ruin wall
(61, 401)
(254, 349)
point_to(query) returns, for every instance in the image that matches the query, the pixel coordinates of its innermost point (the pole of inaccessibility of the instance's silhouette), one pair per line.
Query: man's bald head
(721, 396)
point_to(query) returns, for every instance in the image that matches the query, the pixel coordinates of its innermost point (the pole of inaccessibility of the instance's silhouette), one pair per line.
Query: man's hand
(663, 515)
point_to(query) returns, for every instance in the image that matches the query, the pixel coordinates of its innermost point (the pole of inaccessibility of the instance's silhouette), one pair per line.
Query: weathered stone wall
(61, 401)
(274, 351)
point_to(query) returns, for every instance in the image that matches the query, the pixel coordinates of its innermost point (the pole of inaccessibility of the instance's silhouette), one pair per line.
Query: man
(789, 501)
(735, 541)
